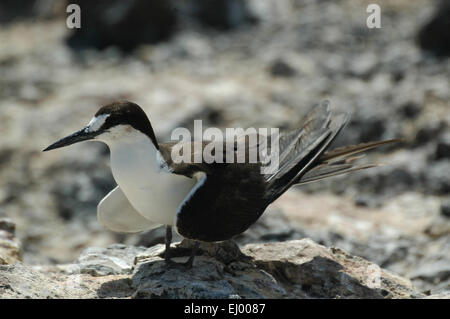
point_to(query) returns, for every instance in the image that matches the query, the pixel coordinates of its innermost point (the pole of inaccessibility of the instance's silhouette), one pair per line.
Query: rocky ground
(291, 269)
(266, 73)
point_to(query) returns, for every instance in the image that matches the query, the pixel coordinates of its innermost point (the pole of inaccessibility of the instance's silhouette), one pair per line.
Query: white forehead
(96, 122)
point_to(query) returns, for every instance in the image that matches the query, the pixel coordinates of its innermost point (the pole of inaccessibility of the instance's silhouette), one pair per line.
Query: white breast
(151, 190)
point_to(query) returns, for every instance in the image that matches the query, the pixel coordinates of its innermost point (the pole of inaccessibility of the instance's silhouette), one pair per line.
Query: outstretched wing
(116, 213)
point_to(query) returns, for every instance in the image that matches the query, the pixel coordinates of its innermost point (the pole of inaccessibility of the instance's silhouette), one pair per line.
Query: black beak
(81, 135)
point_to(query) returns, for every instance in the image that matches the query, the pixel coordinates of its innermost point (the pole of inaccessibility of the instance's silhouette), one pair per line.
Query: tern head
(115, 121)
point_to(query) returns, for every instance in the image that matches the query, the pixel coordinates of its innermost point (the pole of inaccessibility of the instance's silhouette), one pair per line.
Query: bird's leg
(168, 242)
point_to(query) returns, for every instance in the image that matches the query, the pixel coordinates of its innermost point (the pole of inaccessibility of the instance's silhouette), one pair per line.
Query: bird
(206, 201)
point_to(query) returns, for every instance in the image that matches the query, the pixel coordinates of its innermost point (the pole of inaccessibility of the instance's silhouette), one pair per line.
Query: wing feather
(116, 213)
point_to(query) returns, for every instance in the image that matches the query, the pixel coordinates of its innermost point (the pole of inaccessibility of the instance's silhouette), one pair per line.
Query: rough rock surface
(292, 269)
(10, 249)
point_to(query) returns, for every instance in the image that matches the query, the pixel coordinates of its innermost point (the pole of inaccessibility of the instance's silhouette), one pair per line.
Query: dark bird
(206, 201)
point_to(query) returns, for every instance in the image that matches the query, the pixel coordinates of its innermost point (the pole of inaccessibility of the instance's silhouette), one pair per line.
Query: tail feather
(326, 171)
(345, 151)
(337, 161)
(303, 157)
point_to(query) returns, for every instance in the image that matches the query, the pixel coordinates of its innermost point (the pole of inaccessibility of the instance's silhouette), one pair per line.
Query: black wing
(227, 199)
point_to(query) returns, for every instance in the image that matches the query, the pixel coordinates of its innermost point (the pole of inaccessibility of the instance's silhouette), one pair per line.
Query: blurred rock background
(232, 63)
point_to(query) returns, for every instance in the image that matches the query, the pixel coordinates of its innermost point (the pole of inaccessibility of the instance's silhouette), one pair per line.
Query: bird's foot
(188, 264)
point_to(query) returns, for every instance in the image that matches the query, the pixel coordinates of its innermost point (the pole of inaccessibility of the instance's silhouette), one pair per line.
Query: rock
(428, 132)
(122, 24)
(76, 196)
(280, 68)
(8, 226)
(292, 269)
(434, 36)
(430, 273)
(222, 271)
(438, 227)
(443, 147)
(128, 25)
(114, 260)
(363, 65)
(11, 11)
(406, 232)
(21, 281)
(10, 249)
(397, 179)
(219, 14)
(312, 270)
(437, 178)
(445, 209)
(370, 125)
(410, 110)
(436, 272)
(444, 295)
